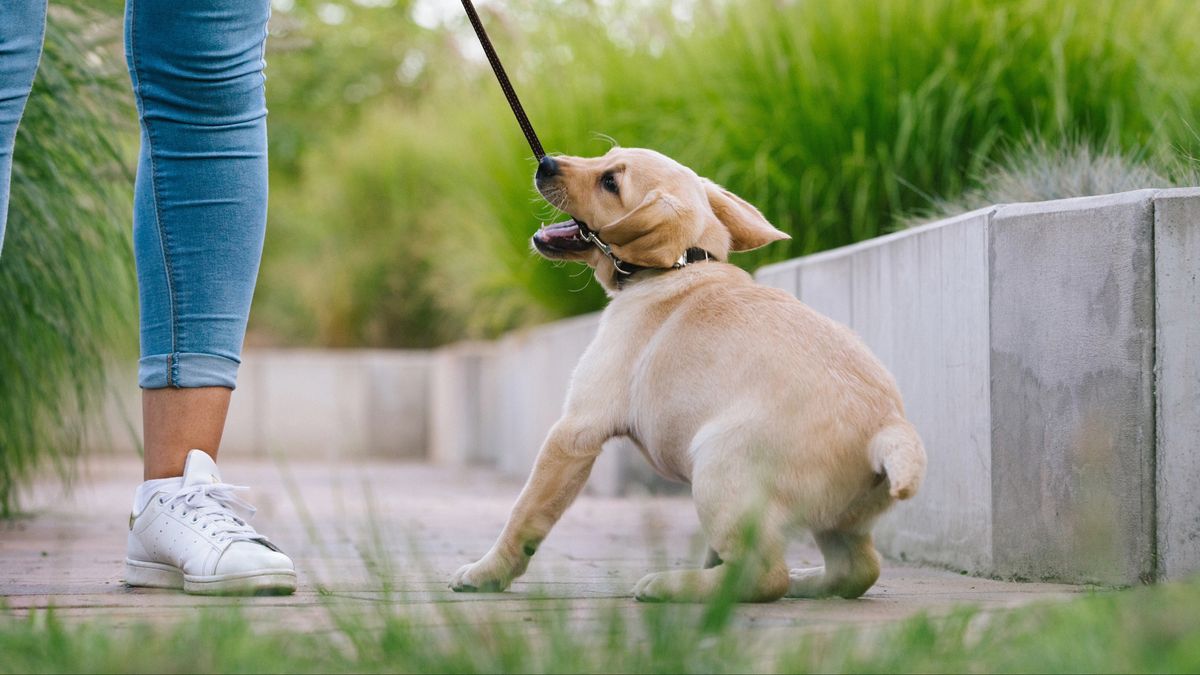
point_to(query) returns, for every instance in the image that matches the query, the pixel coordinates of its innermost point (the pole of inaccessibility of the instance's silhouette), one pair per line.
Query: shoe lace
(214, 507)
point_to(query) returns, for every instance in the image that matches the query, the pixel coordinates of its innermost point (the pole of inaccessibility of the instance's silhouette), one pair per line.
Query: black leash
(509, 93)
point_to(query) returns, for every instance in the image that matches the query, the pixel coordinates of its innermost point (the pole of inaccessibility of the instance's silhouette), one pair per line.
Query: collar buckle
(604, 248)
(688, 257)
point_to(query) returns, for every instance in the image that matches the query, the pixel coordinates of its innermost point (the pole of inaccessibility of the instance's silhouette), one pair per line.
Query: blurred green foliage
(67, 297)
(402, 200)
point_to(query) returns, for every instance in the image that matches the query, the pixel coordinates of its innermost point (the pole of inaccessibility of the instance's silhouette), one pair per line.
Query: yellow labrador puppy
(778, 417)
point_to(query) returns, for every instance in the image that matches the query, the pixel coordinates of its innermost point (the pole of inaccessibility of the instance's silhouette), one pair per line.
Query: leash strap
(509, 93)
(624, 269)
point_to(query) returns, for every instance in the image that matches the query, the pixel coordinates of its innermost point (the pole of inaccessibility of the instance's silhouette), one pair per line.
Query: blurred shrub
(329, 62)
(409, 223)
(66, 275)
(1034, 172)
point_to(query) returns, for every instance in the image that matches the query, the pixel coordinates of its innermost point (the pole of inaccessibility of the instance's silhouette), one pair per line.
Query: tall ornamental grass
(1035, 172)
(66, 274)
(411, 224)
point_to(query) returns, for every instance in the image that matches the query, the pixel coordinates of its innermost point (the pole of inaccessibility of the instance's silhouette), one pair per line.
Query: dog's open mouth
(564, 237)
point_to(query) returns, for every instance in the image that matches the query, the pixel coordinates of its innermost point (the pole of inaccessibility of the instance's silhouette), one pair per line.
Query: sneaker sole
(143, 574)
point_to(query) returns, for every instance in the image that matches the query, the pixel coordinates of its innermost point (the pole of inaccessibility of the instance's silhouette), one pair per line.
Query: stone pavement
(359, 527)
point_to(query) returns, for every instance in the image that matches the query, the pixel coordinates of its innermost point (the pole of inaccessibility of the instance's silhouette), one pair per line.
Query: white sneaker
(185, 534)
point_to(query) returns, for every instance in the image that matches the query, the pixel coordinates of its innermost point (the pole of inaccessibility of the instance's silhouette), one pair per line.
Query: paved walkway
(355, 528)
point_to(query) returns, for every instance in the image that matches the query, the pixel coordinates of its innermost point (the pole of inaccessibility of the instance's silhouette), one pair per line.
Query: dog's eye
(609, 182)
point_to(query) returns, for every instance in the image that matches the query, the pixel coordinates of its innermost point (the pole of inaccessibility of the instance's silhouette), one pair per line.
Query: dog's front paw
(483, 576)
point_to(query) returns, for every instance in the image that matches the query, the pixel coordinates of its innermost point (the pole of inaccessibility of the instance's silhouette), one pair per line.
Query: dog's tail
(896, 451)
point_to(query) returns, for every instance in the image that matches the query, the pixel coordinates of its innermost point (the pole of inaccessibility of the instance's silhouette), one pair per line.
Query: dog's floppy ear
(650, 235)
(748, 229)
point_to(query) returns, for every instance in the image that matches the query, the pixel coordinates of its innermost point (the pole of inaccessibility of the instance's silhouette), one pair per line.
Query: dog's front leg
(561, 469)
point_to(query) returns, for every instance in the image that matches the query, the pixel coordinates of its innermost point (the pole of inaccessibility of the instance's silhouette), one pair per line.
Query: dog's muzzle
(564, 237)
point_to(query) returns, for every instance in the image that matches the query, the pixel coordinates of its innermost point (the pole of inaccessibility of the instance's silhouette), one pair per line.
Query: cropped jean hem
(186, 371)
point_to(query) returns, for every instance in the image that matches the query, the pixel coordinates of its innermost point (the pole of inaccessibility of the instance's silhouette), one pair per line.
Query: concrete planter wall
(307, 403)
(1048, 353)
(1022, 337)
(1177, 381)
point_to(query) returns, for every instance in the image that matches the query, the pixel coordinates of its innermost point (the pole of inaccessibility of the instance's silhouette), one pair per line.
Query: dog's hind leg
(752, 575)
(851, 567)
(746, 536)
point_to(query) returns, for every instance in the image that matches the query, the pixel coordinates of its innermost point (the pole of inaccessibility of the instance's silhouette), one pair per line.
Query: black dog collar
(625, 270)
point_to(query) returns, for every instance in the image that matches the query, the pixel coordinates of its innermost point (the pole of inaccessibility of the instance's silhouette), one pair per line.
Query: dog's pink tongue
(559, 231)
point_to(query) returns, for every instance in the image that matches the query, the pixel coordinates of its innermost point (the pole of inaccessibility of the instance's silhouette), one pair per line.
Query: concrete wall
(1177, 365)
(1072, 348)
(307, 403)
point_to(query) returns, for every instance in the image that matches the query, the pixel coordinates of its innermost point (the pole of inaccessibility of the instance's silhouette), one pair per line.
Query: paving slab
(377, 534)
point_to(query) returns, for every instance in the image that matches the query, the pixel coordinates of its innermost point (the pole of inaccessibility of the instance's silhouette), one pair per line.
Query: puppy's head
(647, 207)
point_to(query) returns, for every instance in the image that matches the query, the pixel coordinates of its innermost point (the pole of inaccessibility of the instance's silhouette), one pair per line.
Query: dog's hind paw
(651, 589)
(674, 586)
(808, 582)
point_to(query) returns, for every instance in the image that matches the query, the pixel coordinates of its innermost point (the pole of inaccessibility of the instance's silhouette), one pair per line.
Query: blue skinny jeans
(200, 198)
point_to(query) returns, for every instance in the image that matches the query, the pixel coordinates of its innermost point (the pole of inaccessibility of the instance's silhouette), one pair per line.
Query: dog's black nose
(547, 168)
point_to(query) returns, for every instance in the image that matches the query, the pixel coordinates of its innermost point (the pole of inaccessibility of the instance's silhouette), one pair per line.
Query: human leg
(199, 219)
(199, 210)
(21, 34)
(178, 420)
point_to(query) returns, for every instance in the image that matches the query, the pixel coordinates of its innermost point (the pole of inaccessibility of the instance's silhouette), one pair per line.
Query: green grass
(1147, 629)
(406, 221)
(67, 299)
